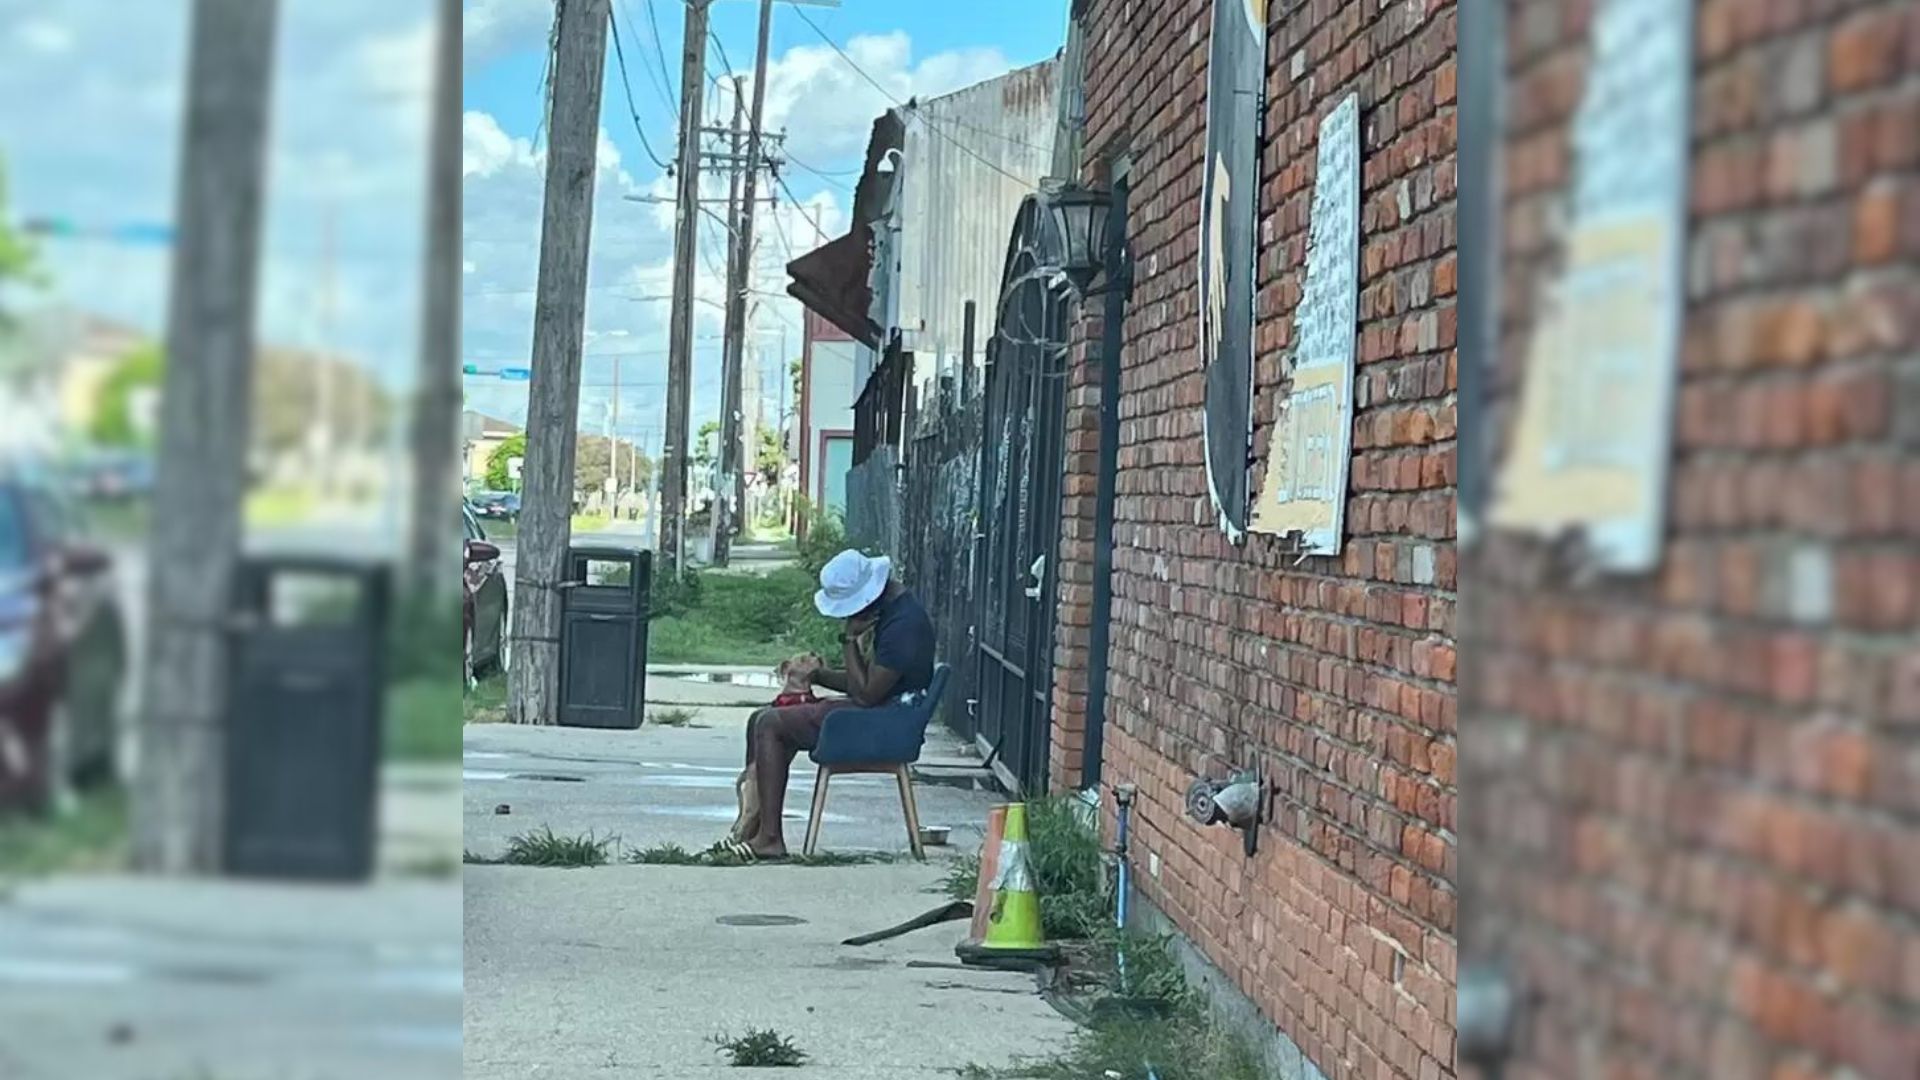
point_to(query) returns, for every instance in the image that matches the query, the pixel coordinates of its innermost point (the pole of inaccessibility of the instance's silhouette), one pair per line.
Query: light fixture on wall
(1080, 216)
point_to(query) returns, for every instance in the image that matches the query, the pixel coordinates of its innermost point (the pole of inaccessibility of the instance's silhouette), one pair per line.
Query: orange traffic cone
(1013, 933)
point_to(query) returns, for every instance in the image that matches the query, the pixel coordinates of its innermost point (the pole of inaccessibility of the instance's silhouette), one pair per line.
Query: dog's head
(794, 673)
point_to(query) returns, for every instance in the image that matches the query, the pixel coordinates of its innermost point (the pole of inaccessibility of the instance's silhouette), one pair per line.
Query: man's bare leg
(776, 741)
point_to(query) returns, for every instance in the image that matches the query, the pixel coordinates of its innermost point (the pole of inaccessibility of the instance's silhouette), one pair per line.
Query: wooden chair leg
(912, 811)
(820, 779)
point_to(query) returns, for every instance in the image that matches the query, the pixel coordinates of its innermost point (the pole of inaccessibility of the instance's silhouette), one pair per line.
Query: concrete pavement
(630, 971)
(116, 977)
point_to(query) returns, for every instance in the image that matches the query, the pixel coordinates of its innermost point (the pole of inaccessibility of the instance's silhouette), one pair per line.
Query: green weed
(760, 1048)
(546, 849)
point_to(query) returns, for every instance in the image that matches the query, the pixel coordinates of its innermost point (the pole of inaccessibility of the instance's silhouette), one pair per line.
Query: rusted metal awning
(832, 282)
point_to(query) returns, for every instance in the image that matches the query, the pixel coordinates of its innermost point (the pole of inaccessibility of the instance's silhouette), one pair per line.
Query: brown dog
(796, 688)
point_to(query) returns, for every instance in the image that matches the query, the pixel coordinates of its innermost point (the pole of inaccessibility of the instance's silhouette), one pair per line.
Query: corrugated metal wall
(970, 157)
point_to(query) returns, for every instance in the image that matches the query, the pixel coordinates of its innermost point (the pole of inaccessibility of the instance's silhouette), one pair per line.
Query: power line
(620, 54)
(824, 177)
(822, 172)
(660, 54)
(931, 125)
(661, 84)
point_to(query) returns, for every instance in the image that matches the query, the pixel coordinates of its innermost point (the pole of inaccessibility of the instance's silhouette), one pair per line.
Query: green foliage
(19, 262)
(142, 369)
(769, 457)
(423, 721)
(545, 849)
(424, 633)
(1068, 867)
(498, 478)
(705, 443)
(760, 1049)
(676, 594)
(738, 618)
(826, 537)
(672, 716)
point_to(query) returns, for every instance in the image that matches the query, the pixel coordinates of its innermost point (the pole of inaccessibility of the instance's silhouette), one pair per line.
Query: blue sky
(912, 47)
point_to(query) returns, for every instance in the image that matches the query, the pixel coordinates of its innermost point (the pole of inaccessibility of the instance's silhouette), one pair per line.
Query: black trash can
(603, 637)
(304, 718)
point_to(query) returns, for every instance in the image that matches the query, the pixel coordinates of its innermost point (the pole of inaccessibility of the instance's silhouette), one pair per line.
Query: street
(633, 970)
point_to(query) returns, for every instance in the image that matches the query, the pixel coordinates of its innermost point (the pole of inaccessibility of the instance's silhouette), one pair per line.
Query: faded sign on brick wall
(1594, 432)
(1306, 480)
(1230, 203)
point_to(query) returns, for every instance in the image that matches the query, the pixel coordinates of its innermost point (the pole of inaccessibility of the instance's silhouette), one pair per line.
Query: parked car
(483, 600)
(62, 648)
(499, 505)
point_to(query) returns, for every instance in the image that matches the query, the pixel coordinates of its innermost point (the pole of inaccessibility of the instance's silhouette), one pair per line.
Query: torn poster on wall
(1230, 203)
(1594, 433)
(1305, 491)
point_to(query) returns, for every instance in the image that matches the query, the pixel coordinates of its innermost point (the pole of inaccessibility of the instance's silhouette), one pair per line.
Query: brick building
(1181, 653)
(1694, 792)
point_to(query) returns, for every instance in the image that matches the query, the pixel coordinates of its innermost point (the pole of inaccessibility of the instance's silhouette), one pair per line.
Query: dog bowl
(934, 835)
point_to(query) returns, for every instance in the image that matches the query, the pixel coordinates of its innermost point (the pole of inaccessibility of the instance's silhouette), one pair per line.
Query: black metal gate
(1022, 466)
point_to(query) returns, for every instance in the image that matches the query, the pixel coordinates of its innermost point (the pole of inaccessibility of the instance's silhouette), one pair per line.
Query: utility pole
(437, 401)
(673, 454)
(613, 441)
(718, 519)
(730, 457)
(200, 477)
(559, 330)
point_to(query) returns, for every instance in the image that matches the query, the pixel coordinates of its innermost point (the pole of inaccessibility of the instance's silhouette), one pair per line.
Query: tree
(285, 386)
(114, 420)
(19, 263)
(703, 447)
(593, 463)
(769, 457)
(499, 470)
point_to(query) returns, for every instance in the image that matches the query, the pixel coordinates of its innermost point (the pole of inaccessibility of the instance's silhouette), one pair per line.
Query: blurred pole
(718, 521)
(200, 474)
(559, 331)
(672, 471)
(732, 461)
(437, 401)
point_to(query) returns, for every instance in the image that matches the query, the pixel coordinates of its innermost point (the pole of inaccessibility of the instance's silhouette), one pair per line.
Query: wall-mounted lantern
(1080, 216)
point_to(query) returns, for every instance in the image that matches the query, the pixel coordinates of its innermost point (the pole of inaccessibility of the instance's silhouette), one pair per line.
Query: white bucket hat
(849, 582)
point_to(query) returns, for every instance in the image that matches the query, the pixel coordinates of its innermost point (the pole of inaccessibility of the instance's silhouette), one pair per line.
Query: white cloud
(44, 36)
(828, 108)
(485, 149)
(493, 28)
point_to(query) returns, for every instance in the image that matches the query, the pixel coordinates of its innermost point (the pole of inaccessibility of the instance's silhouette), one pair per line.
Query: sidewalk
(626, 970)
(119, 977)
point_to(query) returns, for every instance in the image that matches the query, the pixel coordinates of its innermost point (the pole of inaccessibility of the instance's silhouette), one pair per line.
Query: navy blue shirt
(903, 642)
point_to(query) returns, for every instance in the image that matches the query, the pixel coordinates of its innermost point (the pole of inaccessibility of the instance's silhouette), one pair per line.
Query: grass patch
(278, 506)
(485, 702)
(673, 716)
(963, 878)
(473, 858)
(90, 836)
(119, 519)
(423, 721)
(667, 855)
(759, 1049)
(591, 523)
(546, 849)
(715, 618)
(433, 866)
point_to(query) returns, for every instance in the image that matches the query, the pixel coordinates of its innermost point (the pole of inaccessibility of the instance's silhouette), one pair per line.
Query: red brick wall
(1695, 796)
(1336, 674)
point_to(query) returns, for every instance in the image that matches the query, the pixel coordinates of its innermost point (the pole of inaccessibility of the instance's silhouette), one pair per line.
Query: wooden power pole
(731, 458)
(719, 519)
(686, 234)
(200, 477)
(436, 415)
(559, 330)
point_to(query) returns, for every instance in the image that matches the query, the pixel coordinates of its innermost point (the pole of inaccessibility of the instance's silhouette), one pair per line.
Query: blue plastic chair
(885, 739)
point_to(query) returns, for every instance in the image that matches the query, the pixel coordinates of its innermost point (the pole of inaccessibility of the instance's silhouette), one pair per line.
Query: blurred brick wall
(1694, 798)
(1337, 673)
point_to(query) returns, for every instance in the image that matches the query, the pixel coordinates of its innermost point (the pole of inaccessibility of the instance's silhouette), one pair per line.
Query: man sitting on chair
(887, 650)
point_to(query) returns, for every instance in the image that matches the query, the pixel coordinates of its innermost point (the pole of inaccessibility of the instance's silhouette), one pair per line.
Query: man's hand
(860, 624)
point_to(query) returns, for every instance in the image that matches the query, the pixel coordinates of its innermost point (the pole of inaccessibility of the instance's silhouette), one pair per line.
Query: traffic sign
(516, 374)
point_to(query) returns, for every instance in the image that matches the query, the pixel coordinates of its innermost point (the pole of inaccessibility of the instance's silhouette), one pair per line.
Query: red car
(483, 599)
(62, 649)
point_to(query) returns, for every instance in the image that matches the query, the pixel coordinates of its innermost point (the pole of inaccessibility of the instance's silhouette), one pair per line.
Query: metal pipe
(1123, 804)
